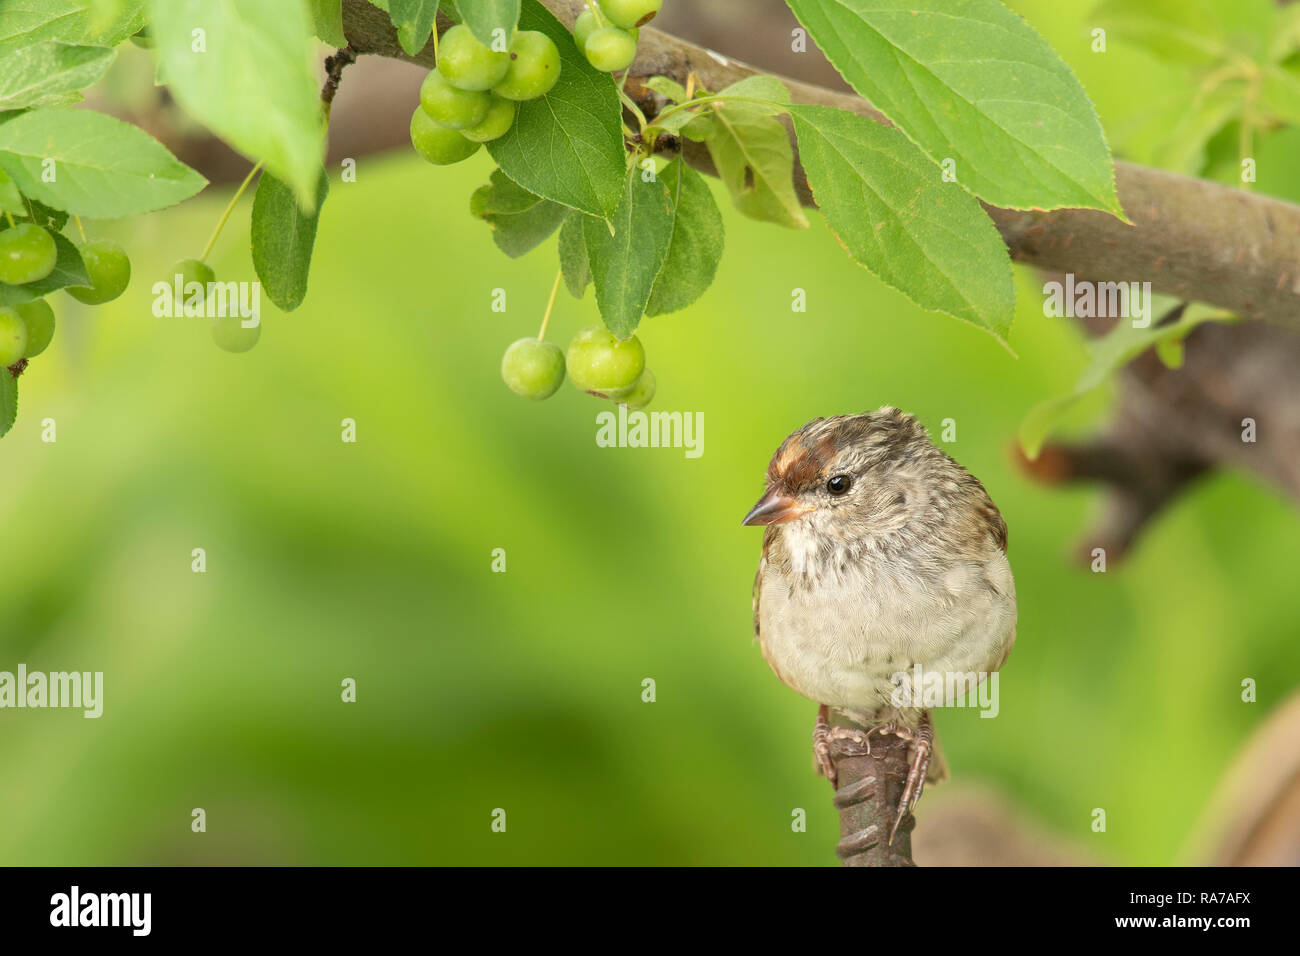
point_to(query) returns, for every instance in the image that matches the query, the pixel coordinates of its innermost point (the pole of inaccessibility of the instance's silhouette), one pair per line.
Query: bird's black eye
(839, 485)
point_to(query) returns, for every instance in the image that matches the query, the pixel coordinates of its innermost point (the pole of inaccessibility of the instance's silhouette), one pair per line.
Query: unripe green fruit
(450, 107)
(230, 335)
(191, 270)
(610, 49)
(533, 369)
(39, 319)
(534, 67)
(600, 363)
(468, 64)
(640, 394)
(500, 117)
(585, 26)
(437, 144)
(109, 270)
(27, 253)
(13, 337)
(630, 13)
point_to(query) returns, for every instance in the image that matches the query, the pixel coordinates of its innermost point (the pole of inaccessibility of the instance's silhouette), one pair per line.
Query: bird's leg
(822, 745)
(848, 741)
(922, 742)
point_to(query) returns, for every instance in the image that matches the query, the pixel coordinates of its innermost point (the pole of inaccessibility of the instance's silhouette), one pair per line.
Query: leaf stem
(80, 229)
(550, 305)
(718, 98)
(230, 207)
(10, 217)
(631, 105)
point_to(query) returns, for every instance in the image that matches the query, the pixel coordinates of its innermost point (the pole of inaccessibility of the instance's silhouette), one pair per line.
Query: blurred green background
(522, 690)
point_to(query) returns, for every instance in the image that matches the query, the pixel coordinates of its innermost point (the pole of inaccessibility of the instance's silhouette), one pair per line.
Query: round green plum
(437, 144)
(468, 64)
(39, 319)
(630, 13)
(13, 337)
(610, 49)
(230, 335)
(602, 364)
(452, 107)
(586, 24)
(109, 269)
(534, 67)
(192, 270)
(27, 254)
(533, 369)
(640, 394)
(500, 117)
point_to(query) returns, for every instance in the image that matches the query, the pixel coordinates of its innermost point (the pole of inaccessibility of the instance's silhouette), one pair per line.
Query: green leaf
(1280, 94)
(1286, 33)
(8, 401)
(47, 217)
(28, 77)
(252, 83)
(1192, 125)
(69, 270)
(669, 89)
(695, 248)
(755, 161)
(1120, 346)
(759, 93)
(752, 151)
(520, 221)
(327, 21)
(101, 167)
(91, 22)
(484, 17)
(10, 199)
(626, 261)
(567, 146)
(1175, 31)
(1196, 32)
(574, 264)
(283, 236)
(414, 21)
(970, 81)
(892, 212)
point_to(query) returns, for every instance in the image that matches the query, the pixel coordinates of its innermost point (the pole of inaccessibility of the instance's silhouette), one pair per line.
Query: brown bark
(1171, 427)
(867, 798)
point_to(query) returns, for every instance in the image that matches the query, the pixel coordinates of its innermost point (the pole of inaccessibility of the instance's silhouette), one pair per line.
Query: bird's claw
(922, 742)
(848, 741)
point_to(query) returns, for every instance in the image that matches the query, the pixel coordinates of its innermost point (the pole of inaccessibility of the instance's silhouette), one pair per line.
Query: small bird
(880, 553)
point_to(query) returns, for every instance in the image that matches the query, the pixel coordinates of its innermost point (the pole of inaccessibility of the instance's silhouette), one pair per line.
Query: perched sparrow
(880, 553)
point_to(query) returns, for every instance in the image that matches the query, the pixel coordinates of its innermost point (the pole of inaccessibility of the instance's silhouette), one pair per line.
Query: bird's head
(837, 469)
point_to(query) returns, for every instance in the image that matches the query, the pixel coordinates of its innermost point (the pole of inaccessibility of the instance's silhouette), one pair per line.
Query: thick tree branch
(1190, 238)
(1173, 426)
(867, 798)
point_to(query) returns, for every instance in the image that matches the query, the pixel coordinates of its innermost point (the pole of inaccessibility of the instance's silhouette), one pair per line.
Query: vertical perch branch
(870, 790)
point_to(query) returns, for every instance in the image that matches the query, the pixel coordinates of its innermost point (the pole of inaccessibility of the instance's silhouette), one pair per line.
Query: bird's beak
(775, 507)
